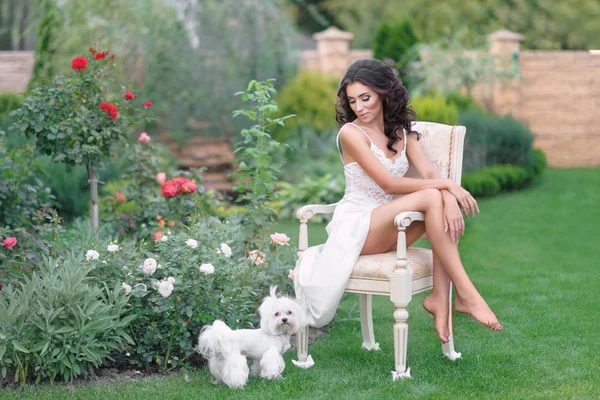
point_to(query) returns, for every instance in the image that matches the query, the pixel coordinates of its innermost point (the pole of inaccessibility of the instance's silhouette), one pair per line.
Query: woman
(377, 142)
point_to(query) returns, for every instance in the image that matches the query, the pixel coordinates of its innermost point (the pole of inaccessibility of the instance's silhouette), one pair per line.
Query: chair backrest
(443, 145)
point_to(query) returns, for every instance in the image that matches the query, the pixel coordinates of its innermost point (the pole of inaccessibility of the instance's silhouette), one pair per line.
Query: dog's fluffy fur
(227, 350)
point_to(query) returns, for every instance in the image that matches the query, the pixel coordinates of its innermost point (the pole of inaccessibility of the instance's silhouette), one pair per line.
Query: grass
(533, 256)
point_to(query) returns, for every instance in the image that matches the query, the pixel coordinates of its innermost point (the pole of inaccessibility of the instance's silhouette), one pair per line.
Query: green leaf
(2, 351)
(19, 346)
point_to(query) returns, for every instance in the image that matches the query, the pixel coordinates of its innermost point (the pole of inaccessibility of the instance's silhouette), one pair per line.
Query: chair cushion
(381, 266)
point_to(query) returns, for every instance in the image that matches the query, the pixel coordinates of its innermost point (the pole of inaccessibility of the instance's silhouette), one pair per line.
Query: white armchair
(404, 272)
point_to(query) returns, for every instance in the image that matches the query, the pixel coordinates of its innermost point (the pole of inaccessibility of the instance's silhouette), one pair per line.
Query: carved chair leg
(448, 348)
(366, 322)
(400, 344)
(401, 294)
(304, 360)
(302, 343)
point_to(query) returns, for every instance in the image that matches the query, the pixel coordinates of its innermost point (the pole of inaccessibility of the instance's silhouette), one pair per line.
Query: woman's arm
(453, 220)
(357, 149)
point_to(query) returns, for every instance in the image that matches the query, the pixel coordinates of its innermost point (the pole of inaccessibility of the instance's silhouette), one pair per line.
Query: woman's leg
(383, 233)
(437, 303)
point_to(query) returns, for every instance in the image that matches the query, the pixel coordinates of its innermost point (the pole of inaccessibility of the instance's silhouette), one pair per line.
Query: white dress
(322, 272)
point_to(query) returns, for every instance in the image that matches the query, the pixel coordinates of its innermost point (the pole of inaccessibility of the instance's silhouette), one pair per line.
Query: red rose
(188, 188)
(100, 55)
(129, 96)
(147, 104)
(110, 109)
(120, 197)
(169, 189)
(158, 235)
(79, 63)
(112, 56)
(9, 242)
(92, 50)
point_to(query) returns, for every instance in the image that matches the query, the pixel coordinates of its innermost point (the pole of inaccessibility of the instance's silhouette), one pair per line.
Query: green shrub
(539, 161)
(9, 101)
(22, 192)
(480, 184)
(492, 180)
(311, 97)
(325, 190)
(58, 324)
(464, 102)
(495, 140)
(435, 108)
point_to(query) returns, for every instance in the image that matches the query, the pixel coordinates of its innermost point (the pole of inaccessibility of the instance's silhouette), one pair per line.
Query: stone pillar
(506, 45)
(333, 48)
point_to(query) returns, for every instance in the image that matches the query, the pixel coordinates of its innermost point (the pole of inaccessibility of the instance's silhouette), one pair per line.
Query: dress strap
(337, 139)
(404, 140)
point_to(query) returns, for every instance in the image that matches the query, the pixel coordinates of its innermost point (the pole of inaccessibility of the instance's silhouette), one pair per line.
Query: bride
(377, 143)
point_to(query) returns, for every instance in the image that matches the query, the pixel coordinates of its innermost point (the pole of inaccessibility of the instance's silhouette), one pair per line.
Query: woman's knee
(432, 197)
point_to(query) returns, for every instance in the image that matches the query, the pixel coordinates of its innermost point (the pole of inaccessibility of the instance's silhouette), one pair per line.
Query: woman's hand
(466, 202)
(453, 219)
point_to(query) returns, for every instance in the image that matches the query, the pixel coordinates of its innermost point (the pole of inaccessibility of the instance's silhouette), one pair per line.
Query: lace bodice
(359, 184)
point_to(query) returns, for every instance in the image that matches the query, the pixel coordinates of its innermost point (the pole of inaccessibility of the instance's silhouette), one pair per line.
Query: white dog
(227, 350)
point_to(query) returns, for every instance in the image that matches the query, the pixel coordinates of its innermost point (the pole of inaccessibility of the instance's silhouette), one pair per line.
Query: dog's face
(280, 315)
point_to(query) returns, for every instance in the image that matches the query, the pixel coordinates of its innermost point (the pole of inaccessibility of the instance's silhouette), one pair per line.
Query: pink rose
(144, 138)
(280, 238)
(9, 242)
(161, 178)
(291, 274)
(257, 257)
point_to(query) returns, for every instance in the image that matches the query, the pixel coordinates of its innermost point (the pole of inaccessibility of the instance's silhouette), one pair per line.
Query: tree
(394, 42)
(76, 120)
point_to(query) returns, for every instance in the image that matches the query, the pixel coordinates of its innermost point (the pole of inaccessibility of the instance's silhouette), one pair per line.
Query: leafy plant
(58, 324)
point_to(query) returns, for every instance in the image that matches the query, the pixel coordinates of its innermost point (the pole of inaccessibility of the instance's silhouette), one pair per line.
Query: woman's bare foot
(477, 308)
(438, 306)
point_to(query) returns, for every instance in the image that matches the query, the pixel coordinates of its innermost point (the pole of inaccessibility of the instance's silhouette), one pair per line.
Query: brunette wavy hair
(397, 112)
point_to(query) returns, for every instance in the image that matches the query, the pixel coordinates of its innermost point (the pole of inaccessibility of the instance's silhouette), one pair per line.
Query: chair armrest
(307, 212)
(304, 214)
(404, 219)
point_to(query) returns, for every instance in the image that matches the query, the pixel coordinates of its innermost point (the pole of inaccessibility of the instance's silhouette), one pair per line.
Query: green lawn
(532, 254)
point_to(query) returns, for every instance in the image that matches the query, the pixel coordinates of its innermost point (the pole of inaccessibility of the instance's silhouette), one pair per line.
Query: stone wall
(559, 98)
(15, 70)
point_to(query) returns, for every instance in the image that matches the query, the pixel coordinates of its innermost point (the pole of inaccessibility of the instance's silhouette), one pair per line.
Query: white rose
(207, 269)
(92, 255)
(112, 247)
(149, 266)
(165, 287)
(126, 287)
(164, 238)
(225, 249)
(192, 243)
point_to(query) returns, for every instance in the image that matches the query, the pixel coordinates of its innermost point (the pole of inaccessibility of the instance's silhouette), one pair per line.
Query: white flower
(113, 247)
(225, 249)
(165, 287)
(257, 257)
(126, 287)
(92, 255)
(149, 266)
(104, 262)
(207, 269)
(164, 238)
(192, 243)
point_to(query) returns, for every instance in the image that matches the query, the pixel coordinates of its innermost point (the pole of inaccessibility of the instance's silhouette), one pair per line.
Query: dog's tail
(215, 339)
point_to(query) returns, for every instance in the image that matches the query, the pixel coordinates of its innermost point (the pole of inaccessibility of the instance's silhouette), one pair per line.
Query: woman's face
(364, 101)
